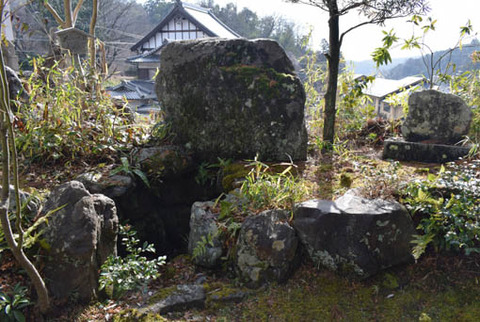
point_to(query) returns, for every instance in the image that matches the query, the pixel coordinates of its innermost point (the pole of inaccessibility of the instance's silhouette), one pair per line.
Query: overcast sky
(359, 44)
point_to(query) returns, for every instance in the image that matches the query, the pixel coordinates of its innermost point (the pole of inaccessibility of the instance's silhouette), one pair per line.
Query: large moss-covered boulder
(233, 99)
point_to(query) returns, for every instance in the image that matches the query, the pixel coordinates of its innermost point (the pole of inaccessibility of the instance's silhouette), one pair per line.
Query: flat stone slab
(178, 298)
(401, 150)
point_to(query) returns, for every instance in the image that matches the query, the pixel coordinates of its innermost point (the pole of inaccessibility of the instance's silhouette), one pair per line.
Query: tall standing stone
(233, 99)
(81, 234)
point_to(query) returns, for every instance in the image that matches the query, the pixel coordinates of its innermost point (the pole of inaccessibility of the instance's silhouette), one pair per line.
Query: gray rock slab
(180, 298)
(354, 236)
(204, 227)
(401, 150)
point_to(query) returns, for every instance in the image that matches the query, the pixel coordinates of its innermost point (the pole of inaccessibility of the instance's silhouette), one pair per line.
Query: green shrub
(64, 120)
(119, 275)
(13, 303)
(264, 188)
(449, 209)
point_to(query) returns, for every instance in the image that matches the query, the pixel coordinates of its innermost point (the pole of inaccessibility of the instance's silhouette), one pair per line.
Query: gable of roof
(203, 18)
(133, 90)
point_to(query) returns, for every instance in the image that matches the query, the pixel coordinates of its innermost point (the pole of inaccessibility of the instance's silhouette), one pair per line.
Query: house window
(143, 73)
(386, 107)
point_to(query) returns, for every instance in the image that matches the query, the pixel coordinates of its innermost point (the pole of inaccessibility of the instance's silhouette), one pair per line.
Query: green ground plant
(380, 182)
(13, 303)
(267, 189)
(448, 209)
(467, 86)
(264, 187)
(354, 107)
(131, 170)
(134, 271)
(314, 80)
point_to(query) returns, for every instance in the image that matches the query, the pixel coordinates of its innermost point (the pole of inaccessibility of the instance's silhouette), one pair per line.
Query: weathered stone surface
(227, 295)
(30, 203)
(233, 99)
(266, 248)
(436, 117)
(73, 39)
(203, 226)
(178, 298)
(163, 161)
(112, 186)
(354, 236)
(11, 58)
(15, 87)
(422, 152)
(80, 236)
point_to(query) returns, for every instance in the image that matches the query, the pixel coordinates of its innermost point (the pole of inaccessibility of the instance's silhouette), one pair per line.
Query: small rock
(164, 161)
(178, 298)
(266, 248)
(30, 203)
(204, 227)
(112, 186)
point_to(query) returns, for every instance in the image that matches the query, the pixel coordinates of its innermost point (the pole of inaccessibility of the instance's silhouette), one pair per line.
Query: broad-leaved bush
(448, 209)
(134, 271)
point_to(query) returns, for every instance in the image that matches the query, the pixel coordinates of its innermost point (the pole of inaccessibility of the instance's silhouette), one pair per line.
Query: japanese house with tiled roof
(183, 22)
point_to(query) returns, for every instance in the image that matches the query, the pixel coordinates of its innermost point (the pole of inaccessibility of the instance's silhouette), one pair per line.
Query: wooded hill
(460, 58)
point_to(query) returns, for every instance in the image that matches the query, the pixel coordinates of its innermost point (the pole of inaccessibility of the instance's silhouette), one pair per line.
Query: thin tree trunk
(7, 141)
(333, 60)
(68, 14)
(91, 41)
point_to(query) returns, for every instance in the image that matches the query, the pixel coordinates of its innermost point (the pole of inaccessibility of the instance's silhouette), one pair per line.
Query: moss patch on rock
(135, 315)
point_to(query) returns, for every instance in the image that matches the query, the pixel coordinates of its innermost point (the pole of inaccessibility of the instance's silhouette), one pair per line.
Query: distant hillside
(368, 67)
(416, 66)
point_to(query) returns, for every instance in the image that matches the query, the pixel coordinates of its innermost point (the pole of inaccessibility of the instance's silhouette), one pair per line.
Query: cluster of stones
(231, 99)
(352, 236)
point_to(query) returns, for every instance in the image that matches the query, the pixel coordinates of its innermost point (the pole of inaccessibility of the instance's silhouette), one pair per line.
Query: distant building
(140, 95)
(183, 22)
(381, 89)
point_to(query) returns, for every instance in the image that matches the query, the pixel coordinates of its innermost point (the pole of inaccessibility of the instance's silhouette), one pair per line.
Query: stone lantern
(74, 39)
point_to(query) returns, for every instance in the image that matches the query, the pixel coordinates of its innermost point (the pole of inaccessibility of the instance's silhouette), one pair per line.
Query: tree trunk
(7, 142)
(333, 60)
(91, 41)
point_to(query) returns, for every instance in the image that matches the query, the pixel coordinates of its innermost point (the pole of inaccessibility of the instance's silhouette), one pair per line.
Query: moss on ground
(400, 295)
(129, 315)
